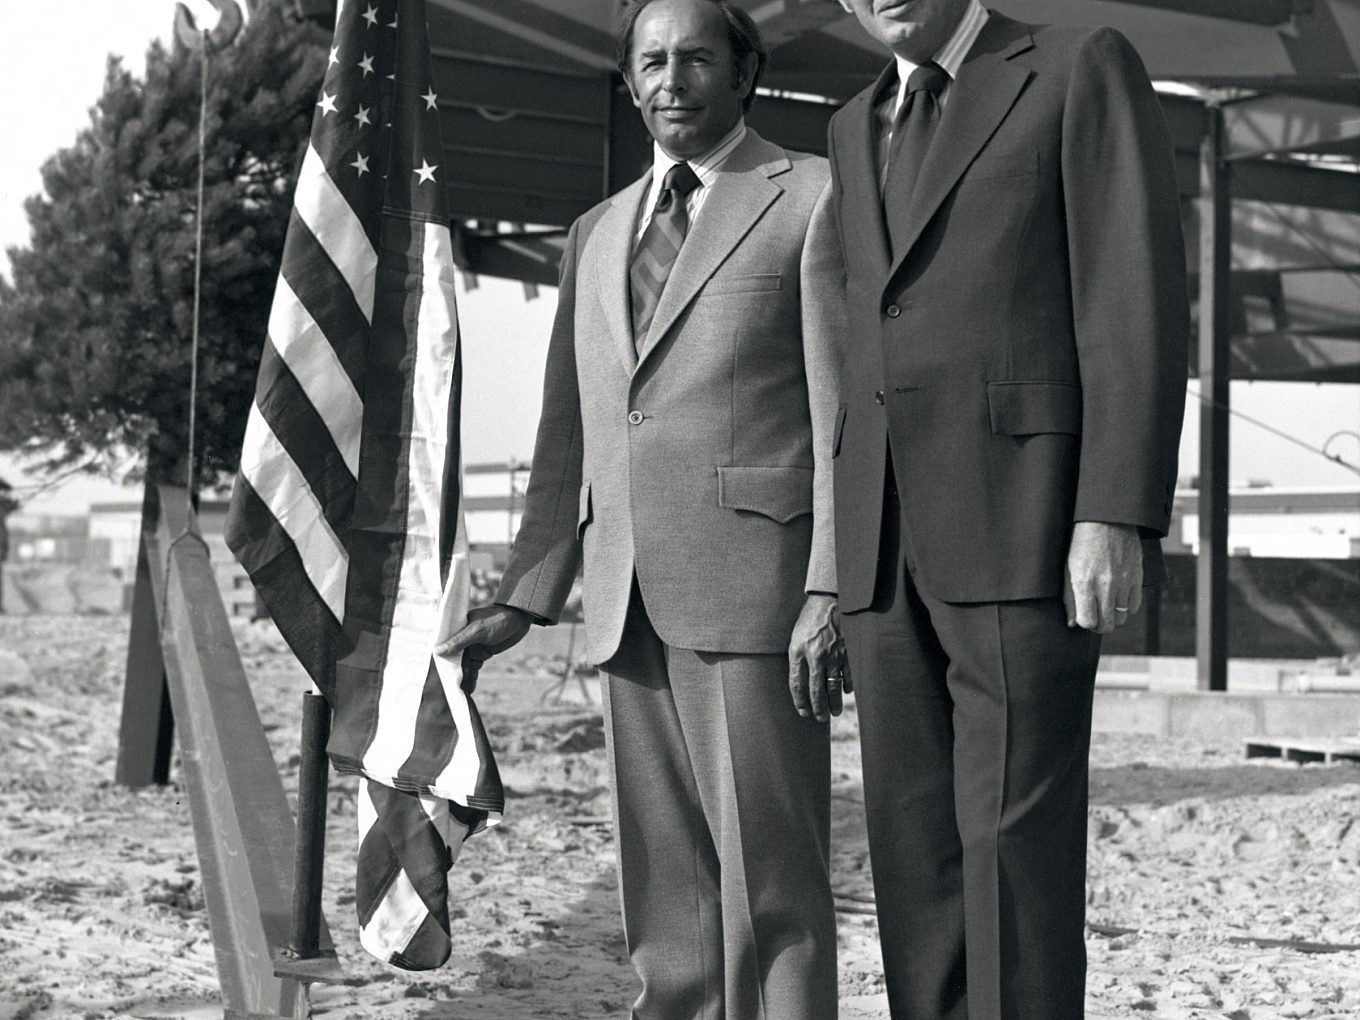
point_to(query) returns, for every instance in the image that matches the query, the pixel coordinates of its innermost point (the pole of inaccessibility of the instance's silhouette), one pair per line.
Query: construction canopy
(538, 127)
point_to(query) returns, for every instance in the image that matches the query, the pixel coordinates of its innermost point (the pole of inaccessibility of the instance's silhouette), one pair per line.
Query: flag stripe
(430, 757)
(453, 525)
(430, 942)
(377, 531)
(277, 480)
(302, 345)
(325, 294)
(471, 777)
(321, 206)
(271, 559)
(420, 590)
(283, 404)
(415, 821)
(377, 865)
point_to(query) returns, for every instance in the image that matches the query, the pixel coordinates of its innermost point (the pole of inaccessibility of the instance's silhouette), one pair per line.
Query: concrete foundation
(1226, 715)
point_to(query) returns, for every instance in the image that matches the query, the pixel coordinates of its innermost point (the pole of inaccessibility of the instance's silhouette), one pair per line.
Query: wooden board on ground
(1305, 749)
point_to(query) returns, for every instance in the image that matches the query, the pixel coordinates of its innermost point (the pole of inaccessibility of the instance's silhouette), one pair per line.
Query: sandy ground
(1194, 852)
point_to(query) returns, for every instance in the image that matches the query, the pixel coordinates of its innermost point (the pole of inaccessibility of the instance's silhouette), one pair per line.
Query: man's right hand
(490, 630)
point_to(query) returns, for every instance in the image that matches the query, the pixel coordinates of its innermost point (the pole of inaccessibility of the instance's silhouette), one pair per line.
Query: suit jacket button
(878, 396)
(634, 417)
(892, 311)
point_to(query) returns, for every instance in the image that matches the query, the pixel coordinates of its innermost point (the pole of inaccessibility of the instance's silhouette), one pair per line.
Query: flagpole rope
(198, 263)
(193, 328)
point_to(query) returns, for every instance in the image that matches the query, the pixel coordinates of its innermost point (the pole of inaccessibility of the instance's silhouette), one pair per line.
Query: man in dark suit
(1005, 456)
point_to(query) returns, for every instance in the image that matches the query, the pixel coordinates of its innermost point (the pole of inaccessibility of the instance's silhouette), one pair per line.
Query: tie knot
(681, 179)
(929, 77)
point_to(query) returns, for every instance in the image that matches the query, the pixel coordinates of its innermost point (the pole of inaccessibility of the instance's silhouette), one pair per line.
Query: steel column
(147, 731)
(1215, 266)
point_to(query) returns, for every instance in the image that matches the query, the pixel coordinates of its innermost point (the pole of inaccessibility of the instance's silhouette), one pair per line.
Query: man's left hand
(819, 674)
(1104, 584)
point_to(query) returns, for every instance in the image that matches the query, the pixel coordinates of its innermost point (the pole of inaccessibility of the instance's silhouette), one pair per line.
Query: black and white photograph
(680, 510)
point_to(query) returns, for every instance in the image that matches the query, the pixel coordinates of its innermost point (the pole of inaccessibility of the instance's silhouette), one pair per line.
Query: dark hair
(742, 36)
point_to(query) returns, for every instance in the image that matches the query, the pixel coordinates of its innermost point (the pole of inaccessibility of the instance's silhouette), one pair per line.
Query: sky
(52, 58)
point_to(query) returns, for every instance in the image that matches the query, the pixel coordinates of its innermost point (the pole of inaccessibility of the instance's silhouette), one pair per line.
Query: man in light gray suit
(684, 450)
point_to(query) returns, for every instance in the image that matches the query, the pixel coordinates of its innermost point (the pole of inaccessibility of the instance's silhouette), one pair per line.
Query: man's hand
(1104, 584)
(490, 630)
(818, 669)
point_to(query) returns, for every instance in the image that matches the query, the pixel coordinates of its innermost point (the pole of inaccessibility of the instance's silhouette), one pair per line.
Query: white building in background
(1285, 523)
(115, 531)
(493, 504)
(1266, 522)
(1290, 523)
(115, 535)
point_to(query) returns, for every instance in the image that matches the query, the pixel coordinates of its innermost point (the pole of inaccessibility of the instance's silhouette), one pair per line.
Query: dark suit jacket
(1025, 355)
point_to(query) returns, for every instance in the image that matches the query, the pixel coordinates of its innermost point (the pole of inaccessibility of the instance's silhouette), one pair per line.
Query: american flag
(347, 512)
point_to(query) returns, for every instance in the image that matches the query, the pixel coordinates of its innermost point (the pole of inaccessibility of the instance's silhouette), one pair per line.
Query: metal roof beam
(1256, 12)
(1224, 41)
(1287, 183)
(1281, 182)
(1269, 124)
(560, 36)
(782, 20)
(528, 256)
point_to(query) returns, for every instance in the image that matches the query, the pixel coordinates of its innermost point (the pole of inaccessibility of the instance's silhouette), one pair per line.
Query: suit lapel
(739, 197)
(979, 99)
(859, 168)
(614, 237)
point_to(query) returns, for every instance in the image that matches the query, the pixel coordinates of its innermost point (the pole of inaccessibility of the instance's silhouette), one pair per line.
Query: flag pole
(310, 849)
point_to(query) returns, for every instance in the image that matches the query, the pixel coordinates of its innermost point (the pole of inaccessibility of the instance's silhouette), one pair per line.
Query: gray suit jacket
(702, 465)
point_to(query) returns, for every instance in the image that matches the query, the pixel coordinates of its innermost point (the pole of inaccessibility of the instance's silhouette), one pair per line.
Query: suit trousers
(975, 723)
(722, 798)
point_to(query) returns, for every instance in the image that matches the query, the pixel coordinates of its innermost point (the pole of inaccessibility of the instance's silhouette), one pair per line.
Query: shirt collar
(706, 165)
(951, 54)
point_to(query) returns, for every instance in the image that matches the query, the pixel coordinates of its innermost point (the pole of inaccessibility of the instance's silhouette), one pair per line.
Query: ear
(747, 74)
(637, 100)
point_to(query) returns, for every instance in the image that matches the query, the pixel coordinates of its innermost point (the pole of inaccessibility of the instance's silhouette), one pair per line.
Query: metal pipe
(310, 851)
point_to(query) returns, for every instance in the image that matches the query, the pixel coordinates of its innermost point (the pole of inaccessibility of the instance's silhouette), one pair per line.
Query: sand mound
(1198, 860)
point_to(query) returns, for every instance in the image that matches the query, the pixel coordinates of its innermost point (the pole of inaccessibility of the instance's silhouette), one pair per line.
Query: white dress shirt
(705, 168)
(949, 58)
(951, 54)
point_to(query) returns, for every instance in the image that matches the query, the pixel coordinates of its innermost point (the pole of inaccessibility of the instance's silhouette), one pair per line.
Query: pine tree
(95, 327)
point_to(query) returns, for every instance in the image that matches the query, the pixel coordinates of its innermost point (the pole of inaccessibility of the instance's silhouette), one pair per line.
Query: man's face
(680, 71)
(913, 29)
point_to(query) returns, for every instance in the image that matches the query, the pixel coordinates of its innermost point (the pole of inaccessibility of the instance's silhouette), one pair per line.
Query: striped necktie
(915, 127)
(660, 245)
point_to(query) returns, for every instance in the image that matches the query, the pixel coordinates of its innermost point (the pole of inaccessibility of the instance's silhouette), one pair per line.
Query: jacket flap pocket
(840, 428)
(1027, 408)
(742, 284)
(780, 493)
(583, 514)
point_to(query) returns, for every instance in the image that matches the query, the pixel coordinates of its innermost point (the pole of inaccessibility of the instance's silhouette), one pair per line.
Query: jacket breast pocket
(583, 514)
(1009, 164)
(782, 494)
(750, 283)
(1031, 408)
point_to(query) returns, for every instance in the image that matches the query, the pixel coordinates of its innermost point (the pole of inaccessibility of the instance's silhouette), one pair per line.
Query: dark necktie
(659, 247)
(915, 125)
